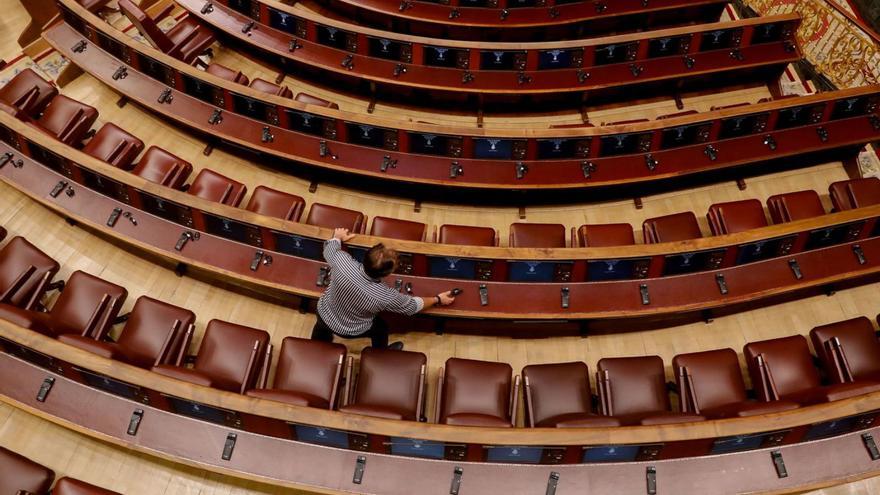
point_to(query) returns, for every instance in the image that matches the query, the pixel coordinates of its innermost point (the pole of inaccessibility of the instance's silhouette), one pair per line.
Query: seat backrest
(637, 384)
(858, 341)
(537, 235)
(464, 235)
(225, 354)
(314, 100)
(114, 145)
(864, 192)
(391, 379)
(556, 389)
(605, 235)
(715, 377)
(277, 204)
(398, 229)
(793, 206)
(78, 304)
(70, 486)
(788, 361)
(476, 387)
(147, 329)
(271, 88)
(16, 259)
(20, 473)
(145, 26)
(218, 188)
(67, 119)
(309, 366)
(227, 74)
(28, 92)
(669, 228)
(736, 216)
(161, 167)
(332, 217)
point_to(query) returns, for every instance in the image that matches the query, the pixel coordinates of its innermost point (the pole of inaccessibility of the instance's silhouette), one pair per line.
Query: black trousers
(378, 333)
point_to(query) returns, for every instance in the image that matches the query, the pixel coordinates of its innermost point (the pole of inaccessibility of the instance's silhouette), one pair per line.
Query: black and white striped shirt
(353, 299)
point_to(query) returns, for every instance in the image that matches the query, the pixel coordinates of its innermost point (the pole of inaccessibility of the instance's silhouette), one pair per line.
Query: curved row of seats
(20, 475)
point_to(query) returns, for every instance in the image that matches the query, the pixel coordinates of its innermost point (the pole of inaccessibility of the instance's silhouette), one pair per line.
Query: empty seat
(398, 229)
(604, 235)
(332, 217)
(218, 188)
(559, 396)
(849, 350)
(115, 146)
(276, 204)
(185, 41)
(70, 486)
(633, 390)
(308, 374)
(710, 383)
(25, 271)
(161, 167)
(20, 474)
(669, 228)
(855, 193)
(88, 306)
(229, 358)
(537, 235)
(736, 216)
(783, 369)
(28, 92)
(314, 100)
(149, 338)
(391, 384)
(228, 74)
(476, 393)
(271, 88)
(67, 120)
(793, 206)
(463, 235)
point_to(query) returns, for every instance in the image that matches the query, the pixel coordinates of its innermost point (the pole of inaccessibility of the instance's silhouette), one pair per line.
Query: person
(356, 295)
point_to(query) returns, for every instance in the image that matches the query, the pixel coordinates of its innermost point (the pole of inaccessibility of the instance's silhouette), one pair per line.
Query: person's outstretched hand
(446, 298)
(343, 235)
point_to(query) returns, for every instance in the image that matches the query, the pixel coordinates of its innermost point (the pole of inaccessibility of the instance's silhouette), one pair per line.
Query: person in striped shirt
(356, 295)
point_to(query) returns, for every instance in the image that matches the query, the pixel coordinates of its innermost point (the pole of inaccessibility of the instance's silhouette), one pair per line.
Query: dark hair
(379, 261)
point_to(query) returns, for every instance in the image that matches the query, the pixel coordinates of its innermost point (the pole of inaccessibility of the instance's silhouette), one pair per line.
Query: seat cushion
(277, 204)
(833, 393)
(161, 167)
(20, 473)
(32, 320)
(103, 349)
(185, 374)
(795, 206)
(398, 229)
(147, 330)
(332, 217)
(211, 186)
(864, 192)
(789, 362)
(579, 420)
(314, 100)
(637, 385)
(309, 368)
(537, 235)
(388, 381)
(271, 88)
(70, 486)
(28, 92)
(226, 73)
(225, 352)
(670, 228)
(191, 49)
(748, 408)
(464, 235)
(557, 390)
(115, 146)
(605, 235)
(376, 411)
(289, 397)
(472, 419)
(472, 387)
(736, 216)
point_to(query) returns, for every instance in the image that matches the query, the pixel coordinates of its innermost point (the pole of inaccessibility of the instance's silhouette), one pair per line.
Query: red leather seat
(115, 146)
(604, 235)
(87, 306)
(314, 100)
(332, 217)
(710, 383)
(855, 193)
(558, 396)
(669, 228)
(24, 273)
(793, 206)
(276, 204)
(28, 92)
(230, 358)
(70, 486)
(476, 393)
(633, 390)
(161, 167)
(226, 73)
(67, 120)
(218, 188)
(849, 350)
(18, 473)
(788, 373)
(736, 216)
(308, 374)
(398, 229)
(150, 337)
(185, 41)
(271, 88)
(463, 235)
(537, 235)
(391, 384)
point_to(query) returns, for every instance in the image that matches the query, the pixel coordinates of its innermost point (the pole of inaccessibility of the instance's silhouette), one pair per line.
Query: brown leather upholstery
(314, 100)
(398, 229)
(70, 486)
(228, 74)
(18, 473)
(736, 216)
(115, 146)
(855, 193)
(229, 358)
(634, 391)
(558, 395)
(150, 325)
(537, 235)
(390, 384)
(161, 167)
(670, 228)
(605, 235)
(87, 303)
(307, 374)
(67, 120)
(463, 235)
(791, 374)
(28, 92)
(475, 393)
(276, 204)
(332, 217)
(793, 206)
(859, 345)
(710, 383)
(185, 41)
(217, 188)
(23, 269)
(271, 88)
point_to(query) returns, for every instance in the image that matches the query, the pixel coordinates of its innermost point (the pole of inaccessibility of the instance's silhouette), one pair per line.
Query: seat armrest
(439, 395)
(176, 51)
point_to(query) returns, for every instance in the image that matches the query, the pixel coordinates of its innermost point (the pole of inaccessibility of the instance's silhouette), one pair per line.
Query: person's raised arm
(334, 245)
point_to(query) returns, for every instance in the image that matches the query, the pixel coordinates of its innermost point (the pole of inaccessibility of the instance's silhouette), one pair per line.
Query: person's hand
(343, 235)
(446, 298)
